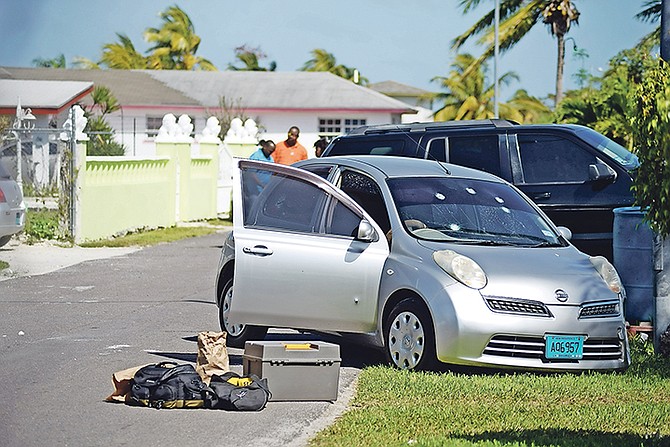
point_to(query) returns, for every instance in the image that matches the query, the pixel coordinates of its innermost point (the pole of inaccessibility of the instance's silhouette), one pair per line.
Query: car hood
(536, 273)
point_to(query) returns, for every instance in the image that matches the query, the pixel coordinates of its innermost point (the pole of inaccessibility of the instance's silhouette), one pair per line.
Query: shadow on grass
(568, 438)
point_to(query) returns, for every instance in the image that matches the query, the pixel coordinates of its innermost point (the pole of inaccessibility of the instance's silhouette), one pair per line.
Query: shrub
(42, 224)
(650, 118)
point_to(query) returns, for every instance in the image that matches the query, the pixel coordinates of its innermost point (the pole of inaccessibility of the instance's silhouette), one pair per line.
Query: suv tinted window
(552, 159)
(480, 153)
(366, 146)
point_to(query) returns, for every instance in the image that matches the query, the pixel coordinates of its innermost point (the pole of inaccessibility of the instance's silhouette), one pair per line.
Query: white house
(319, 103)
(419, 99)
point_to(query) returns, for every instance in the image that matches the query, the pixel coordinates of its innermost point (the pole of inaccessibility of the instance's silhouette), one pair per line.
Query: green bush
(42, 225)
(650, 118)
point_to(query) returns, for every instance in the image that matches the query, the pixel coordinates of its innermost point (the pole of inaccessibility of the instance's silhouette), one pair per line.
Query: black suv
(576, 175)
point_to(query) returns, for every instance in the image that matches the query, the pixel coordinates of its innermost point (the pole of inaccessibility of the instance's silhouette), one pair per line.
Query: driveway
(64, 332)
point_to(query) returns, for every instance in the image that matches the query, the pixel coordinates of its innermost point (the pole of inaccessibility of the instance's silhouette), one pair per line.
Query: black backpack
(233, 392)
(167, 385)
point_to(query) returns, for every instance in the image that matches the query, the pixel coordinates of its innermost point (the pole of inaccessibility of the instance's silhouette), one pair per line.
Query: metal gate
(41, 160)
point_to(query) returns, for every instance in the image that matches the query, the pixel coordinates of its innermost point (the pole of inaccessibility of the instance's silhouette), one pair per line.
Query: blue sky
(405, 41)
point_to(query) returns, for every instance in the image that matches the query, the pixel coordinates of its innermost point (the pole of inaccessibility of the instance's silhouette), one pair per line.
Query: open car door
(306, 255)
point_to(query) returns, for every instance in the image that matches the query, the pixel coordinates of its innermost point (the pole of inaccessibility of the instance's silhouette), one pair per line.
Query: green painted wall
(123, 193)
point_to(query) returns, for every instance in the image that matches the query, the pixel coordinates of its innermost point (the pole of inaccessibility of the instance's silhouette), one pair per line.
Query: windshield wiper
(546, 244)
(487, 242)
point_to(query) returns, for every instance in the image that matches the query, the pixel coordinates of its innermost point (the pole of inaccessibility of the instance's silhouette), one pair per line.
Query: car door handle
(258, 250)
(541, 195)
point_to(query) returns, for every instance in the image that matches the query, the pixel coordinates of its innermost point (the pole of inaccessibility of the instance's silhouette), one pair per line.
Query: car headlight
(461, 268)
(608, 273)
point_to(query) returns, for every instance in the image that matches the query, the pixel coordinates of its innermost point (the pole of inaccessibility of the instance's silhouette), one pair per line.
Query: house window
(153, 124)
(337, 126)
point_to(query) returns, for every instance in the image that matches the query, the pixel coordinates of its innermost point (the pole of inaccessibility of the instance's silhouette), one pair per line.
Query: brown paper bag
(121, 381)
(212, 355)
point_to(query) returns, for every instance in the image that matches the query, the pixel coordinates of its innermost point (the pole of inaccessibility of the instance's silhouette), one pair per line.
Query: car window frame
(504, 160)
(515, 151)
(325, 208)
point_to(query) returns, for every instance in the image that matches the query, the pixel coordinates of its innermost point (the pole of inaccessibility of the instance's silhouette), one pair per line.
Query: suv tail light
(2, 196)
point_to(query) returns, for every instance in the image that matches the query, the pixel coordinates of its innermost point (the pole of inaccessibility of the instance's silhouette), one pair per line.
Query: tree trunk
(559, 69)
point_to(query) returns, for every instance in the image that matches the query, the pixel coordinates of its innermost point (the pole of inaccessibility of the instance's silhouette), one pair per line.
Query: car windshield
(469, 211)
(608, 147)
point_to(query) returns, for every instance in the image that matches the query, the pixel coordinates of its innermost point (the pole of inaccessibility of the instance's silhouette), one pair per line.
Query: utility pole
(496, 49)
(665, 30)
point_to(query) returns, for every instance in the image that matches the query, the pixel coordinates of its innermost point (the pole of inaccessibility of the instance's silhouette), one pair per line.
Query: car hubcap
(232, 329)
(406, 340)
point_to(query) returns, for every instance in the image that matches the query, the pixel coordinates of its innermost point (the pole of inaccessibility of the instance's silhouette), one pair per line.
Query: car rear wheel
(409, 336)
(237, 334)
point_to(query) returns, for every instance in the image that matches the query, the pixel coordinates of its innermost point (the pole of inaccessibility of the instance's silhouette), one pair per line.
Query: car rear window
(4, 173)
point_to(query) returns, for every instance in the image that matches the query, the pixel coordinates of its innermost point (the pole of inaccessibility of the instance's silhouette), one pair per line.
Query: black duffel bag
(230, 391)
(167, 385)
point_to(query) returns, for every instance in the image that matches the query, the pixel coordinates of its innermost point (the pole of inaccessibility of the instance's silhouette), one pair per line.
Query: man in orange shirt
(289, 151)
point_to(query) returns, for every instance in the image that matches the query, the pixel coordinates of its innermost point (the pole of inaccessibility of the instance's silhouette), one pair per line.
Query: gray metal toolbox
(295, 370)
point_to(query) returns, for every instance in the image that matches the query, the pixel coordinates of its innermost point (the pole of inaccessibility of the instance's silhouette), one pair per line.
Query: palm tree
(102, 134)
(470, 98)
(251, 57)
(324, 61)
(175, 43)
(651, 13)
(56, 62)
(517, 18)
(121, 56)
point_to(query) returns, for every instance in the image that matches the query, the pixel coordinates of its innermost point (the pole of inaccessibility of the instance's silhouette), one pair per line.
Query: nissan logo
(561, 295)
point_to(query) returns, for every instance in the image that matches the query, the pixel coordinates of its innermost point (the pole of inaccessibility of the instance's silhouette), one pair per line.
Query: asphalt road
(64, 333)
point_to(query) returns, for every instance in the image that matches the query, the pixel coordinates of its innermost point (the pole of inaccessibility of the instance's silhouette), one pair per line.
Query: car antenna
(430, 156)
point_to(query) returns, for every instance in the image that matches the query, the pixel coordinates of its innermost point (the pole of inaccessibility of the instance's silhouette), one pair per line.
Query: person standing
(290, 151)
(258, 179)
(320, 146)
(264, 152)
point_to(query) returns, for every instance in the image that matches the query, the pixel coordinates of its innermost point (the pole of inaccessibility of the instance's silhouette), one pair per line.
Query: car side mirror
(565, 232)
(600, 172)
(366, 232)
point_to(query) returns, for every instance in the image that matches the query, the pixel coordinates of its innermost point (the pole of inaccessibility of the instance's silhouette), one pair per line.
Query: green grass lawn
(145, 238)
(398, 408)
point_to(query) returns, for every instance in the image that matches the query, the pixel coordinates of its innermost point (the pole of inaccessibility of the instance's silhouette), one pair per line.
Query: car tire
(237, 334)
(4, 240)
(409, 337)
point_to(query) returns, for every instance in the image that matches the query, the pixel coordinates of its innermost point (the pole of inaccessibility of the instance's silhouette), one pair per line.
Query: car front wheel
(409, 337)
(4, 240)
(237, 334)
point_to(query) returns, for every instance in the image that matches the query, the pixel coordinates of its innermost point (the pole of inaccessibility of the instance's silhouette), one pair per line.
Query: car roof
(393, 166)
(381, 129)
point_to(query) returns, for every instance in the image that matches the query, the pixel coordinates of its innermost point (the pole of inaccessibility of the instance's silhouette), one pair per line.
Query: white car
(433, 262)
(12, 207)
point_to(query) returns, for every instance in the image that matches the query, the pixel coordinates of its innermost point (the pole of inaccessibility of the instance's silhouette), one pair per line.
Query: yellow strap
(240, 381)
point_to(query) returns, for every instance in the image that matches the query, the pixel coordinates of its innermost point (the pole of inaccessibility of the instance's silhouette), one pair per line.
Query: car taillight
(2, 196)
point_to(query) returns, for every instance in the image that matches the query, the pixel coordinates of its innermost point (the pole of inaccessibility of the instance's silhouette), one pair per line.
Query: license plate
(564, 347)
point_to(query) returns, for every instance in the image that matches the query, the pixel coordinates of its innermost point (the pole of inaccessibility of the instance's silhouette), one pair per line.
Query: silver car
(12, 208)
(431, 261)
